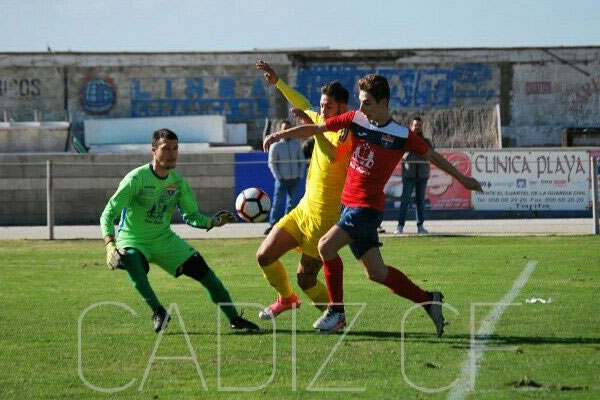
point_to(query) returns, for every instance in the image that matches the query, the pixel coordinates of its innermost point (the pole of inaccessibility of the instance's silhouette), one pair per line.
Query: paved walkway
(500, 227)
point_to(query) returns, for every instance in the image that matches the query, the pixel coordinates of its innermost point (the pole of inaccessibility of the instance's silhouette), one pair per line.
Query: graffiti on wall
(538, 87)
(198, 96)
(582, 96)
(20, 88)
(410, 87)
(98, 95)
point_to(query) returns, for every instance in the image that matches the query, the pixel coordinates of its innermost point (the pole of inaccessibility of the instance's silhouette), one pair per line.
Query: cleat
(279, 306)
(399, 230)
(330, 322)
(240, 323)
(161, 319)
(435, 312)
(422, 230)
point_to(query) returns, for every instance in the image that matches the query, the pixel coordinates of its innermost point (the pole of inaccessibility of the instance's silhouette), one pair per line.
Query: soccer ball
(253, 205)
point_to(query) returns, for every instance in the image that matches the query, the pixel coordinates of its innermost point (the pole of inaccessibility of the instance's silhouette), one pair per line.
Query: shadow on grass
(456, 340)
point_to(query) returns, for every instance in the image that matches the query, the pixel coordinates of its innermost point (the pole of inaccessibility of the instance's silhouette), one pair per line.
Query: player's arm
(300, 104)
(439, 161)
(297, 132)
(292, 95)
(324, 145)
(121, 199)
(189, 210)
(333, 124)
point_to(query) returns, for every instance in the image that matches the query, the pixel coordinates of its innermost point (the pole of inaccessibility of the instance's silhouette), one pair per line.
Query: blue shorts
(361, 224)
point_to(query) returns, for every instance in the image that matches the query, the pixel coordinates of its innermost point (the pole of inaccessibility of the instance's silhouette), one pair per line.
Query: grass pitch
(554, 348)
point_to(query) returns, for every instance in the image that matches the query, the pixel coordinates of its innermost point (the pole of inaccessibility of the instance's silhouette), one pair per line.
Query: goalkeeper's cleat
(435, 312)
(243, 324)
(331, 321)
(279, 306)
(161, 319)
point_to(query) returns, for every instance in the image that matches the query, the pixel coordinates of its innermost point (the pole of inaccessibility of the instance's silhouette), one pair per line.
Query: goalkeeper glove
(115, 258)
(221, 218)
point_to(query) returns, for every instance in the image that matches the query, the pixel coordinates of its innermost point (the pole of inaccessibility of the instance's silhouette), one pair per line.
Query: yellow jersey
(325, 179)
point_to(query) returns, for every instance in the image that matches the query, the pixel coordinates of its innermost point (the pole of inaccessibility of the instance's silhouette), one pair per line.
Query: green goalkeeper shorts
(168, 253)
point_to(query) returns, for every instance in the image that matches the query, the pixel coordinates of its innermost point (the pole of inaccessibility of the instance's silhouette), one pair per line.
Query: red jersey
(376, 150)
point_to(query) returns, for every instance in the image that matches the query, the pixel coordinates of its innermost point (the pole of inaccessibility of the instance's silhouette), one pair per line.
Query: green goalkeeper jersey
(146, 203)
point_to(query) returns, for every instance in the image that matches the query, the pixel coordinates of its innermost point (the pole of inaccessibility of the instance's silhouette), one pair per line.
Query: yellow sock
(318, 294)
(277, 277)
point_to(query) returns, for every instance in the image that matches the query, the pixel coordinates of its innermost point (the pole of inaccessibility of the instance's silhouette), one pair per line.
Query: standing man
(415, 173)
(287, 164)
(318, 210)
(146, 199)
(378, 144)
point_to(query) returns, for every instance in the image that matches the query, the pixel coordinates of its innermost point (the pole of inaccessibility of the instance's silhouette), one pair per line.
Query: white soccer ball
(253, 205)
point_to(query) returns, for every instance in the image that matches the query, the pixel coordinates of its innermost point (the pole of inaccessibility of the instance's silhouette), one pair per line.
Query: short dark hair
(376, 85)
(337, 91)
(417, 118)
(163, 133)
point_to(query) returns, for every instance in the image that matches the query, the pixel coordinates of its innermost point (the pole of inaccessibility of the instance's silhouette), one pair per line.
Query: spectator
(287, 164)
(307, 147)
(415, 173)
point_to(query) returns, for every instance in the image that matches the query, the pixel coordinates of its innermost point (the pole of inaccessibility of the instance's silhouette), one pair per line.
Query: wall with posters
(514, 181)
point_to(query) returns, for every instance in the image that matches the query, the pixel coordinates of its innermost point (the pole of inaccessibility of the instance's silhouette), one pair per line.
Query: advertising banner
(443, 191)
(512, 180)
(531, 180)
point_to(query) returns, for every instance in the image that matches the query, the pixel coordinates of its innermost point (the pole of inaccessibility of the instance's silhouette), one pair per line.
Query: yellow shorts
(306, 230)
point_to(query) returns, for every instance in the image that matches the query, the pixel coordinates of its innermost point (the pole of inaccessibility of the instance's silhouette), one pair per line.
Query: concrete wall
(34, 137)
(540, 91)
(83, 183)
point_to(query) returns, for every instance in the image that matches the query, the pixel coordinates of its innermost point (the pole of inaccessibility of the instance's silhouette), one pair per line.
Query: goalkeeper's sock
(139, 279)
(277, 277)
(318, 294)
(218, 294)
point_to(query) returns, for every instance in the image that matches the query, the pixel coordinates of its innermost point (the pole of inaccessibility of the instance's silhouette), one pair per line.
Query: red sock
(402, 286)
(333, 270)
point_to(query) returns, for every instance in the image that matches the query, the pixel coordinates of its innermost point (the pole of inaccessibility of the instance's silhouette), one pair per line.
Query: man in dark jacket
(415, 173)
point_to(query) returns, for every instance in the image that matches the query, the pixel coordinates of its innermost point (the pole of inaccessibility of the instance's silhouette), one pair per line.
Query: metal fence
(229, 184)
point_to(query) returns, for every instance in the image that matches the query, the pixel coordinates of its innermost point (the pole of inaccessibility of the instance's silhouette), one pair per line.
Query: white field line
(468, 370)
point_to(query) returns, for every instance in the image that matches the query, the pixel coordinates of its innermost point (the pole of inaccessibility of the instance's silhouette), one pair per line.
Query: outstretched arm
(298, 132)
(439, 161)
(293, 96)
(321, 141)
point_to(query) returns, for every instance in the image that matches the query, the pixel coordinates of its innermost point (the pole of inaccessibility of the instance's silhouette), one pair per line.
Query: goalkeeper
(146, 199)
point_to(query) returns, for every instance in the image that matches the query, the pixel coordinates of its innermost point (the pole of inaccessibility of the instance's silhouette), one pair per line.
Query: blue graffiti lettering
(233, 109)
(200, 100)
(226, 87)
(258, 89)
(409, 87)
(194, 88)
(168, 88)
(136, 90)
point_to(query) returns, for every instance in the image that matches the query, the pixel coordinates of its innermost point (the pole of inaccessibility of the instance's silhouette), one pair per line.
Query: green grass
(45, 286)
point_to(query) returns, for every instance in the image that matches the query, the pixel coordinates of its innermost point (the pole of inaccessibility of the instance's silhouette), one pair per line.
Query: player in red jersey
(378, 144)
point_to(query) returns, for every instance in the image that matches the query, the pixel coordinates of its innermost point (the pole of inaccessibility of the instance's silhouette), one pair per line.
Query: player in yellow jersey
(317, 211)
